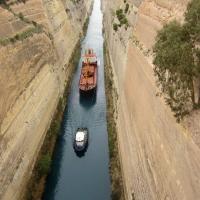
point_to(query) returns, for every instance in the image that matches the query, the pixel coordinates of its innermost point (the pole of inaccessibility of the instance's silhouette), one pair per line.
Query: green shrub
(124, 21)
(120, 14)
(122, 18)
(2, 2)
(126, 8)
(44, 165)
(115, 27)
(21, 16)
(192, 18)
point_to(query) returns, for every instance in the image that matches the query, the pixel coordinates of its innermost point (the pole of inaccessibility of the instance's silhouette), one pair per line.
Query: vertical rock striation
(159, 157)
(37, 38)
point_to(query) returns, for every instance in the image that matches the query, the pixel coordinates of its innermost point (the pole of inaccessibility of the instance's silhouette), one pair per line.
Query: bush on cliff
(177, 59)
(126, 8)
(122, 19)
(115, 27)
(44, 165)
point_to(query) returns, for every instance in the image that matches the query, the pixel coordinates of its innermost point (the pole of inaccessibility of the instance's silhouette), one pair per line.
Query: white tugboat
(81, 139)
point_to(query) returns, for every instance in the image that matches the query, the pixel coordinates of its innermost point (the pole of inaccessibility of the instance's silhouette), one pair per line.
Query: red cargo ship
(88, 77)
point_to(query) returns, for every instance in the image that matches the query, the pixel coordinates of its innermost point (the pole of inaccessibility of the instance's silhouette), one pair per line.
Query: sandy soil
(191, 123)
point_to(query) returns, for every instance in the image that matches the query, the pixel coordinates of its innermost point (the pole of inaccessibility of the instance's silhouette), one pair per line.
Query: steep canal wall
(117, 185)
(37, 39)
(159, 158)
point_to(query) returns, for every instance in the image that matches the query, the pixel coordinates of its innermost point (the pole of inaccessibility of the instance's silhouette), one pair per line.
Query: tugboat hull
(80, 149)
(81, 140)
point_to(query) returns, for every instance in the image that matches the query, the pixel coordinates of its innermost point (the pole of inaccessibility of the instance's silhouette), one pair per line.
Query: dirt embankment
(36, 41)
(160, 160)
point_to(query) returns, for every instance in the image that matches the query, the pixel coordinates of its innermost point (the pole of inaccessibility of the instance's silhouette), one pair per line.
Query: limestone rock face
(33, 71)
(160, 159)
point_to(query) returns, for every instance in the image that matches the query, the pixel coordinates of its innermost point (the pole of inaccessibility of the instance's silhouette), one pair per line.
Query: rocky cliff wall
(37, 38)
(160, 160)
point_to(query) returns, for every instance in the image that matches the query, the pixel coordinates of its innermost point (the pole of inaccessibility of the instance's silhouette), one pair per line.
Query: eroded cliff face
(159, 158)
(37, 38)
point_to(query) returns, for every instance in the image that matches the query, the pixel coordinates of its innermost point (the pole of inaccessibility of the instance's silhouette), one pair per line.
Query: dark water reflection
(83, 177)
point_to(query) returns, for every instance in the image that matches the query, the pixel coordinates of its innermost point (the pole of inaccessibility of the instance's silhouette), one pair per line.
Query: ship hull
(91, 88)
(88, 92)
(89, 74)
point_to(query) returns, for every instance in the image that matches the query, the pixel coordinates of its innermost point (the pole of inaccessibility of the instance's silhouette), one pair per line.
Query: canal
(83, 177)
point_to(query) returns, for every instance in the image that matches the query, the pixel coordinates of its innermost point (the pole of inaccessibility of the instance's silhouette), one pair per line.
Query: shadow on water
(81, 153)
(87, 101)
(57, 158)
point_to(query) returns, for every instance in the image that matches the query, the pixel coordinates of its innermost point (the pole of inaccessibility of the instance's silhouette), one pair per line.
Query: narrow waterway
(83, 177)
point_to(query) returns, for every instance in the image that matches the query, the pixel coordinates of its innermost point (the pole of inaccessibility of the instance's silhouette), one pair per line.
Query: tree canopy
(177, 59)
(192, 18)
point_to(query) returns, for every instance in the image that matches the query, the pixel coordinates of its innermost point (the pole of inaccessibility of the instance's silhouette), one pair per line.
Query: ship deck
(88, 76)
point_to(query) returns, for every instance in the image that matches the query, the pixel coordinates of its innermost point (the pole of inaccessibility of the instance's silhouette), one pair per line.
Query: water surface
(83, 177)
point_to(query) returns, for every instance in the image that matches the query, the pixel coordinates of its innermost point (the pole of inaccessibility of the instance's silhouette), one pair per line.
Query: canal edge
(36, 184)
(115, 167)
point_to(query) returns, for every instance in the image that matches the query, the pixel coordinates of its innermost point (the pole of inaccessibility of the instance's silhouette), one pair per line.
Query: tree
(177, 60)
(192, 25)
(192, 18)
(174, 67)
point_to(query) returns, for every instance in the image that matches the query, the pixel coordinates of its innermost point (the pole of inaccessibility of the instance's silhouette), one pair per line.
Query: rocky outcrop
(159, 158)
(37, 38)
